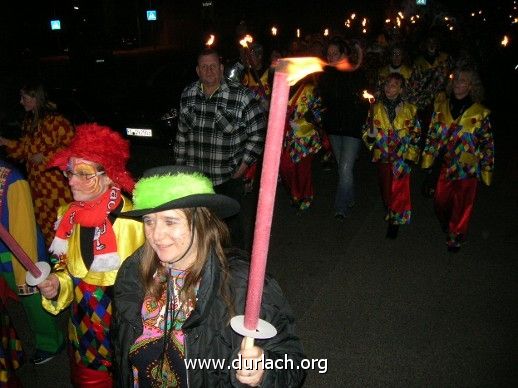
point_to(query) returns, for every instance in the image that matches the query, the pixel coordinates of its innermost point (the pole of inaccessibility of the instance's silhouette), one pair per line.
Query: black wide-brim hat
(178, 187)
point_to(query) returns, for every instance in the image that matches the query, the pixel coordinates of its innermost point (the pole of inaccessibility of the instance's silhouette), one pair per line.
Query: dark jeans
(234, 188)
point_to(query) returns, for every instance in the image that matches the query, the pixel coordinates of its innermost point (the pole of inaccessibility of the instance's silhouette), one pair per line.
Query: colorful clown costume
(394, 145)
(49, 188)
(17, 215)
(466, 147)
(88, 292)
(301, 142)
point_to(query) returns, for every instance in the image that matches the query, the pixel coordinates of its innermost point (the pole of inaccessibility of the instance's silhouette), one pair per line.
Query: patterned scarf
(91, 214)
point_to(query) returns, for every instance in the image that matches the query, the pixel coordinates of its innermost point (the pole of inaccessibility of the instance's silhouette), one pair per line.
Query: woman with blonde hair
(460, 140)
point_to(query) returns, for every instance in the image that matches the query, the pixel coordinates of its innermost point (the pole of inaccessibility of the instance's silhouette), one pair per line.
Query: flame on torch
(504, 41)
(274, 31)
(298, 68)
(247, 39)
(326, 32)
(369, 97)
(210, 41)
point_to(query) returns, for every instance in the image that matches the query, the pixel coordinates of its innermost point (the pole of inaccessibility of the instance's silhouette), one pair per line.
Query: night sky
(185, 23)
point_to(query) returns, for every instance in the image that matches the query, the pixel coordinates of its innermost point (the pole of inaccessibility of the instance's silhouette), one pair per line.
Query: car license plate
(140, 132)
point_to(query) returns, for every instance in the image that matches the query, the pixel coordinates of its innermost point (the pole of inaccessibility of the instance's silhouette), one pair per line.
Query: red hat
(101, 145)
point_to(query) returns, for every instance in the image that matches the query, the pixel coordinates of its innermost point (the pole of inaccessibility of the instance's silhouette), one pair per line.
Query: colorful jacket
(422, 64)
(404, 70)
(17, 216)
(302, 137)
(262, 91)
(466, 144)
(129, 235)
(395, 142)
(51, 135)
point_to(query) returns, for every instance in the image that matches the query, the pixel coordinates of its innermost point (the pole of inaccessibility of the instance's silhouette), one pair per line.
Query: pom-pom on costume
(394, 147)
(90, 244)
(466, 147)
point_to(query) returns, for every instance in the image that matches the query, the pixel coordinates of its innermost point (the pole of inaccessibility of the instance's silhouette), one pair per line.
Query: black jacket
(345, 110)
(207, 332)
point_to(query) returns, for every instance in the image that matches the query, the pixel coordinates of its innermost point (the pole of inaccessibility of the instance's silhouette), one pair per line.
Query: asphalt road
(377, 312)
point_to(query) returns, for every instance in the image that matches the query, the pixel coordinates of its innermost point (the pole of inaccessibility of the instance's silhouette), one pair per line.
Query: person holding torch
(17, 217)
(90, 244)
(392, 134)
(175, 296)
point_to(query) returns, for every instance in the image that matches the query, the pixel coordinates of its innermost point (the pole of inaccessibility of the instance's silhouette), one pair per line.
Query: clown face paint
(89, 188)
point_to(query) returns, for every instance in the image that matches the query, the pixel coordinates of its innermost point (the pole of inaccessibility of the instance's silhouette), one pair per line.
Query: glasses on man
(81, 175)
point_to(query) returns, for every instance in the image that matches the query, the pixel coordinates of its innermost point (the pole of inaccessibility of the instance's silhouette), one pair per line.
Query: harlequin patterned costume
(467, 148)
(86, 274)
(404, 70)
(441, 60)
(261, 88)
(49, 187)
(11, 352)
(89, 293)
(393, 148)
(301, 142)
(17, 215)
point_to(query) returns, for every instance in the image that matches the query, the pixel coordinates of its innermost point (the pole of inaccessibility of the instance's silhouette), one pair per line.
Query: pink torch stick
(288, 72)
(37, 272)
(266, 200)
(18, 252)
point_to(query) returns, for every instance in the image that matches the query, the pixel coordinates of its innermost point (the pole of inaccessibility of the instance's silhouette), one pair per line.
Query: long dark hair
(43, 105)
(213, 237)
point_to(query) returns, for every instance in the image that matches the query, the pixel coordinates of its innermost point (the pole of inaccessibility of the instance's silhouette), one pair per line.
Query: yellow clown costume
(91, 243)
(394, 145)
(465, 148)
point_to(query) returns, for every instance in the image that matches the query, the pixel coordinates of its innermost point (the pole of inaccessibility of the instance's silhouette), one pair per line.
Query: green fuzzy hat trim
(160, 189)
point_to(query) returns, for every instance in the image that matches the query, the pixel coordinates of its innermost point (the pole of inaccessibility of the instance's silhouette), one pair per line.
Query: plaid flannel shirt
(217, 133)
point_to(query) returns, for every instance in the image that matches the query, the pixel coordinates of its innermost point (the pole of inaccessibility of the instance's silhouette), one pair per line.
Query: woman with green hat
(175, 296)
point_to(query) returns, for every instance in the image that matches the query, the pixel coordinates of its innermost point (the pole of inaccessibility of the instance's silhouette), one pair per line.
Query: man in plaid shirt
(220, 131)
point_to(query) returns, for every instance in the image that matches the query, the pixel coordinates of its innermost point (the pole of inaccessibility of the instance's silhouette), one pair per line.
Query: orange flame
(247, 39)
(368, 96)
(210, 41)
(298, 68)
(504, 41)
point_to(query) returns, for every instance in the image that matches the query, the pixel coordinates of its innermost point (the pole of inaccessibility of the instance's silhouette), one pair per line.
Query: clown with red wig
(90, 243)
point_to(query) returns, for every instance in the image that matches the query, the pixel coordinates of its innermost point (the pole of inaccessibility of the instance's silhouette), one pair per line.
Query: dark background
(111, 65)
